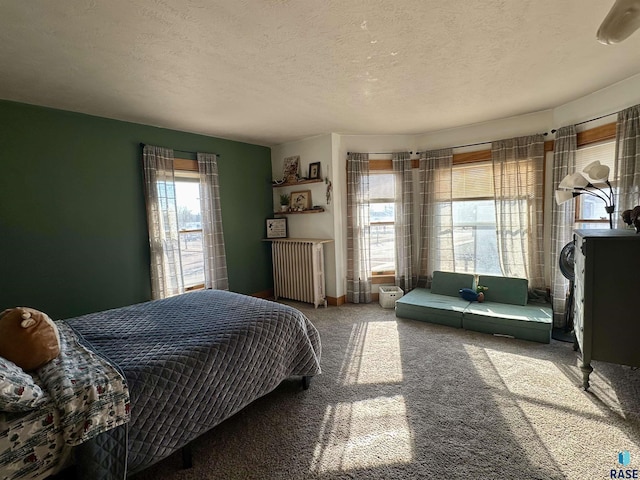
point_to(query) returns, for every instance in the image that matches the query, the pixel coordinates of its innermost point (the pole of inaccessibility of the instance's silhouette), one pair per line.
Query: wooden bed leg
(187, 459)
(306, 381)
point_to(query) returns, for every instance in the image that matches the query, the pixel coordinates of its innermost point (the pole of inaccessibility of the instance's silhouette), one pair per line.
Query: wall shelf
(311, 210)
(299, 182)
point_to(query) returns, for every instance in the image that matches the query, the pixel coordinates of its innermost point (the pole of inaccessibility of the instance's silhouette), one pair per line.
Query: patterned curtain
(162, 218)
(358, 230)
(518, 181)
(627, 169)
(562, 218)
(215, 260)
(436, 218)
(403, 175)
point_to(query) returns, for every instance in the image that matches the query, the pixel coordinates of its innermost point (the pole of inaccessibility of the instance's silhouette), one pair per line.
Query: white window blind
(474, 219)
(604, 152)
(590, 212)
(472, 181)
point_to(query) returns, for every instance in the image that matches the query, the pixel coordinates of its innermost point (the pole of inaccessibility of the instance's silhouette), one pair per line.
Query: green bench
(505, 310)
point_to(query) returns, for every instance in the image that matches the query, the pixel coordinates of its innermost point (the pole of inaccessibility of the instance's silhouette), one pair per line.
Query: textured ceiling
(272, 71)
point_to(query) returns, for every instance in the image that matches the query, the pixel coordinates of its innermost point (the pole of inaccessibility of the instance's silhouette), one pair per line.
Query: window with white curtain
(590, 212)
(474, 219)
(382, 221)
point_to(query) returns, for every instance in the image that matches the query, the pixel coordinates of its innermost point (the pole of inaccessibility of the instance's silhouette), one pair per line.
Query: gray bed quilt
(193, 360)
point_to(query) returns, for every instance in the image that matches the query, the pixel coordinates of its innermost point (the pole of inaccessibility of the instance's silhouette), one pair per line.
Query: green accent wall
(73, 229)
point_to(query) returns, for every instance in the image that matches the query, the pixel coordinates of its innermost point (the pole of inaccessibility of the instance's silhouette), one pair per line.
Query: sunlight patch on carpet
(363, 434)
(549, 414)
(372, 355)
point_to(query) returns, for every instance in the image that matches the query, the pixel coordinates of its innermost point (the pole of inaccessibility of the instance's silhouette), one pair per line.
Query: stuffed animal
(28, 337)
(480, 289)
(471, 295)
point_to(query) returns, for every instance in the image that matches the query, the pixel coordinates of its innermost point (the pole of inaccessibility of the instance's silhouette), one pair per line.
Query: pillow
(18, 391)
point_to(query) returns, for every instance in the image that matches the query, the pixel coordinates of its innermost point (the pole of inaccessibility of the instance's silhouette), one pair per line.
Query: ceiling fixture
(622, 20)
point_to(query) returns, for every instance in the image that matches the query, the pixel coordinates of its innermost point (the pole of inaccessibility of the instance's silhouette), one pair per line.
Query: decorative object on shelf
(632, 217)
(284, 202)
(329, 188)
(277, 228)
(585, 182)
(300, 200)
(291, 166)
(314, 170)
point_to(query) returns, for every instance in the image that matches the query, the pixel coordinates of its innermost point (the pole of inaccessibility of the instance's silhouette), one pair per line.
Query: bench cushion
(450, 283)
(422, 304)
(530, 322)
(510, 290)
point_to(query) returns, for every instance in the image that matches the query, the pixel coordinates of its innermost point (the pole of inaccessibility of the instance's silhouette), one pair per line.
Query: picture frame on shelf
(300, 200)
(291, 168)
(314, 171)
(276, 228)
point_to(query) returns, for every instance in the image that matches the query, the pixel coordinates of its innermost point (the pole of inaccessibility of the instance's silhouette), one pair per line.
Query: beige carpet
(406, 399)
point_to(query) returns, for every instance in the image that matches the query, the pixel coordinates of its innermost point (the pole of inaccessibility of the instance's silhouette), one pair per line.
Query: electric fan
(566, 264)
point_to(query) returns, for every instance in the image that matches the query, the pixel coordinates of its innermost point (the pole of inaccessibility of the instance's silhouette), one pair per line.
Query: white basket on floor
(389, 295)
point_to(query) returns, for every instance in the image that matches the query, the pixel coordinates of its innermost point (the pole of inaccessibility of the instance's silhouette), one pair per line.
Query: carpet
(402, 399)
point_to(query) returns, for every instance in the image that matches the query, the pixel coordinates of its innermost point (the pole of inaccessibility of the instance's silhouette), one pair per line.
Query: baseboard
(337, 301)
(264, 294)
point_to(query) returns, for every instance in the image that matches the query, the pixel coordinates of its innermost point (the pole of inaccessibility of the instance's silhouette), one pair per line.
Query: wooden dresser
(607, 297)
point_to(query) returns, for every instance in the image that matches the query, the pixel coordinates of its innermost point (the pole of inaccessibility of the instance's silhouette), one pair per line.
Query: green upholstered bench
(505, 310)
(441, 304)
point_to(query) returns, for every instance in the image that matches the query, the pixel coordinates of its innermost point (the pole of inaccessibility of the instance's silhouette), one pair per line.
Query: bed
(176, 368)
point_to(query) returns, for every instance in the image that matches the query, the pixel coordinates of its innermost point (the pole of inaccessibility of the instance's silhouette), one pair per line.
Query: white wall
(313, 225)
(335, 146)
(608, 100)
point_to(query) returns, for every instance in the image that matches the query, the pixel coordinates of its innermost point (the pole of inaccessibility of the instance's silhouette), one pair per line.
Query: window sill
(383, 279)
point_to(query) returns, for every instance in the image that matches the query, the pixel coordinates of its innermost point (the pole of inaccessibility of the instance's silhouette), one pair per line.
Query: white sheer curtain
(403, 176)
(215, 260)
(562, 218)
(162, 219)
(358, 229)
(518, 181)
(627, 170)
(436, 219)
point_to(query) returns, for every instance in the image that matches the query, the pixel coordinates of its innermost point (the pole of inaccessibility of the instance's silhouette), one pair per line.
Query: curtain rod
(476, 144)
(379, 153)
(183, 151)
(587, 121)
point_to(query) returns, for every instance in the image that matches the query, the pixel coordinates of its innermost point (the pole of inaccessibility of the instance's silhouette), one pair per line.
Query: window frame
(187, 168)
(587, 138)
(382, 276)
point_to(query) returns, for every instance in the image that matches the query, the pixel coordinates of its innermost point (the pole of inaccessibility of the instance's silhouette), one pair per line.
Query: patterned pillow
(18, 391)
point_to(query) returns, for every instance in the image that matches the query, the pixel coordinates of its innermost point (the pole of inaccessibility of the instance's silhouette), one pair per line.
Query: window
(190, 229)
(590, 212)
(474, 219)
(381, 220)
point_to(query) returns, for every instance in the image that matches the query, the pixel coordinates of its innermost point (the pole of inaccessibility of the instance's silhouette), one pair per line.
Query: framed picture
(314, 171)
(291, 166)
(300, 200)
(277, 228)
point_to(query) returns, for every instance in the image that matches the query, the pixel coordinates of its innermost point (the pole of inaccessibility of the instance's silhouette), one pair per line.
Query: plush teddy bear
(28, 337)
